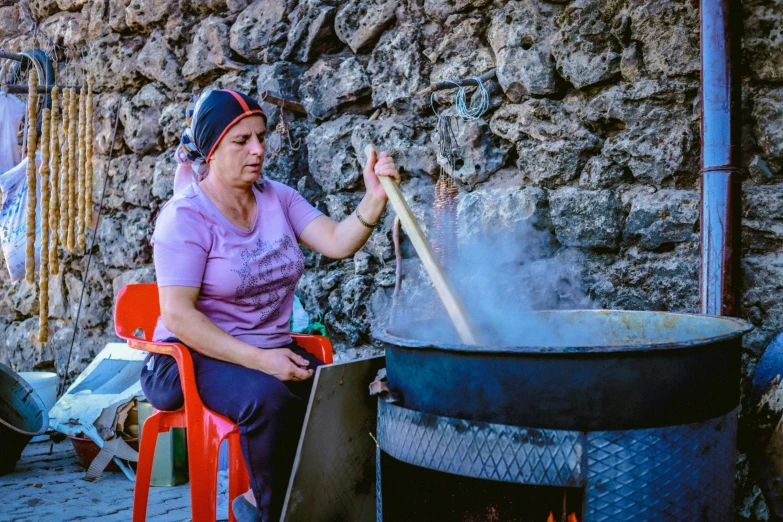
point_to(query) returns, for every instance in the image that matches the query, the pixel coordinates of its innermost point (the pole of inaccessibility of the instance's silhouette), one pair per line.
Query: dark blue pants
(269, 413)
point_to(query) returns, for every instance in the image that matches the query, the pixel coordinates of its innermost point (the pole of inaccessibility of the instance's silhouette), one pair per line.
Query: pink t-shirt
(247, 279)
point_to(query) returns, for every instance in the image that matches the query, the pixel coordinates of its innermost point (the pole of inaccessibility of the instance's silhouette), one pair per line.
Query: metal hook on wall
(283, 129)
(274, 149)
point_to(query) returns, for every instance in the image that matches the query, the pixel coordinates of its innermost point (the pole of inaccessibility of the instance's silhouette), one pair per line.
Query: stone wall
(592, 139)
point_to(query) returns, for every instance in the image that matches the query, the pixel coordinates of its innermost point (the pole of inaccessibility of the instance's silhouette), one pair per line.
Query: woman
(227, 263)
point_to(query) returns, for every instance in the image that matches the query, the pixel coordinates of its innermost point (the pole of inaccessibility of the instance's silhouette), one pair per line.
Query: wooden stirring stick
(467, 331)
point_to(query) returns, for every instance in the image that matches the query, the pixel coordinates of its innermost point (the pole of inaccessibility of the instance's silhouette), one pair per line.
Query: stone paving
(48, 486)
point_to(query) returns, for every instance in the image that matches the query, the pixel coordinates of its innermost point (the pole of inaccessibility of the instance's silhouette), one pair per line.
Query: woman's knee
(268, 397)
(160, 382)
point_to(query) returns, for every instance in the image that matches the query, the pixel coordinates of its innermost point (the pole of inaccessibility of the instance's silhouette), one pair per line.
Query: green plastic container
(170, 467)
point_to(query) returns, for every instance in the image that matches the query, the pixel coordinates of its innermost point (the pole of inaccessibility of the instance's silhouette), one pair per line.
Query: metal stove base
(673, 473)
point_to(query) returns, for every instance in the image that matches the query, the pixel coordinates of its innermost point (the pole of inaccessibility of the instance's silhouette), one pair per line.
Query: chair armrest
(317, 345)
(181, 354)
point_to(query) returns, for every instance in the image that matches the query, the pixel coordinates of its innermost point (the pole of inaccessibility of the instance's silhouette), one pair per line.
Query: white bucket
(45, 385)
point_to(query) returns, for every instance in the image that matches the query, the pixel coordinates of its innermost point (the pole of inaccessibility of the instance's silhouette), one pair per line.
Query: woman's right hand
(284, 364)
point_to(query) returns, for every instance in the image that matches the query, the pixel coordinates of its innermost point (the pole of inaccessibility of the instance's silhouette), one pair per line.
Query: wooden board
(333, 477)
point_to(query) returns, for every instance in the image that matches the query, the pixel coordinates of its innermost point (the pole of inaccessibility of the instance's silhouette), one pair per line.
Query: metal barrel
(22, 416)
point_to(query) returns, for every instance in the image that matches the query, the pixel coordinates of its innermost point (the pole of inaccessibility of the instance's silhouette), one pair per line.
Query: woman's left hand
(376, 166)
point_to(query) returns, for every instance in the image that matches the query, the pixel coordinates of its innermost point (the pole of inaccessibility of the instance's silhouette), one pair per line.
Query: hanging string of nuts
(54, 208)
(80, 237)
(43, 273)
(445, 218)
(72, 166)
(446, 191)
(32, 101)
(89, 136)
(64, 168)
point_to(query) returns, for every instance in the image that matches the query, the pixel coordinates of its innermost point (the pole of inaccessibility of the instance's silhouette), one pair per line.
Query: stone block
(130, 181)
(767, 120)
(442, 9)
(172, 123)
(281, 77)
(759, 170)
(260, 31)
(459, 52)
(163, 175)
(210, 39)
(106, 105)
(632, 63)
(761, 39)
(312, 32)
(552, 143)
(663, 217)
(584, 47)
(668, 31)
(65, 29)
(396, 139)
(144, 274)
(140, 118)
(521, 36)
(508, 210)
(40, 9)
(111, 63)
(71, 5)
(649, 128)
(157, 62)
(601, 173)
(586, 218)
(361, 22)
(124, 238)
(10, 20)
(332, 84)
(479, 153)
(644, 280)
(331, 160)
(140, 15)
(22, 297)
(762, 218)
(397, 69)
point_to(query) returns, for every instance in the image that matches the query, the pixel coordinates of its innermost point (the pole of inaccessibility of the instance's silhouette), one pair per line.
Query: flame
(571, 517)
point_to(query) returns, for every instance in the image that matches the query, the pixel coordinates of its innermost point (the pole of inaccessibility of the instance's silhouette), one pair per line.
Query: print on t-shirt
(280, 264)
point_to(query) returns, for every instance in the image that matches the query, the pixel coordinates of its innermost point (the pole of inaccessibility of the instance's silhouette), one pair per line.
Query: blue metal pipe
(721, 189)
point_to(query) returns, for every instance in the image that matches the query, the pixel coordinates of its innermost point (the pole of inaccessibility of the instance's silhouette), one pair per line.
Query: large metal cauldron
(577, 370)
(638, 409)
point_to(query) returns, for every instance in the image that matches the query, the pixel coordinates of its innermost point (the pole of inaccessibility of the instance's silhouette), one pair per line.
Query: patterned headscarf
(208, 118)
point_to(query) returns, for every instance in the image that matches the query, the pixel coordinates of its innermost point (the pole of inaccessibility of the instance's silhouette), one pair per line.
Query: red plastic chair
(135, 316)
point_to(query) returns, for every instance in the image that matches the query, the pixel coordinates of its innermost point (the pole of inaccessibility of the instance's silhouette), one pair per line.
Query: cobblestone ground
(48, 486)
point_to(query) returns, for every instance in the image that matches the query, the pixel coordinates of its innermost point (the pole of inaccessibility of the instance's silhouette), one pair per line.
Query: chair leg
(141, 490)
(203, 453)
(238, 480)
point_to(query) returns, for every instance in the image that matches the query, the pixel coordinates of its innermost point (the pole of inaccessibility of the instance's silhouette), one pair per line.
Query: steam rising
(499, 273)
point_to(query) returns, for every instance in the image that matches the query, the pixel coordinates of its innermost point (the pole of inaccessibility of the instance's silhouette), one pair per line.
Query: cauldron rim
(741, 328)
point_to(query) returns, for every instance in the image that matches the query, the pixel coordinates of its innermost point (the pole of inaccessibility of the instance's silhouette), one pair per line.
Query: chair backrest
(136, 311)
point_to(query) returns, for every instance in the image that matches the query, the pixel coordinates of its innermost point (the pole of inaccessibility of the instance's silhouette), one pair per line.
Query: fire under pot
(634, 411)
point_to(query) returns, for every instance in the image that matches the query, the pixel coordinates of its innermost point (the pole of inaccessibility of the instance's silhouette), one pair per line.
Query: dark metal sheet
(333, 479)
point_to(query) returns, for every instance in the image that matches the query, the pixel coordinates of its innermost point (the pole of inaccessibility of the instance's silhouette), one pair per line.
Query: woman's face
(240, 154)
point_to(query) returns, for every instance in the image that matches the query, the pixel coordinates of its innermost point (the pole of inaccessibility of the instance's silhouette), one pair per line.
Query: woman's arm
(344, 239)
(180, 316)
